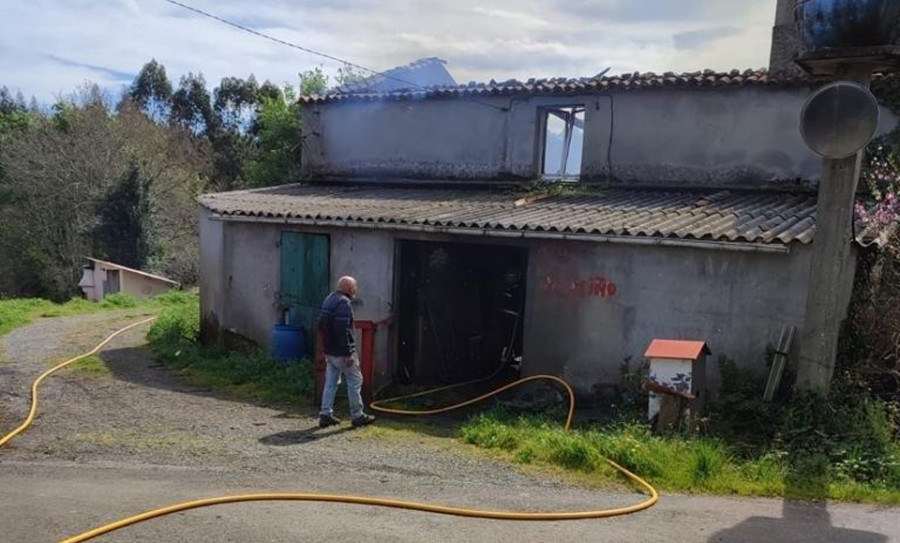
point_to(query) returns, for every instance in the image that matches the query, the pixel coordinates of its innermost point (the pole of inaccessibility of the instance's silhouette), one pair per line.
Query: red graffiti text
(591, 287)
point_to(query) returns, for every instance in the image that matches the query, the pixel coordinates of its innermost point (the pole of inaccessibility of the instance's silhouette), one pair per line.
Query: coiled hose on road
(652, 498)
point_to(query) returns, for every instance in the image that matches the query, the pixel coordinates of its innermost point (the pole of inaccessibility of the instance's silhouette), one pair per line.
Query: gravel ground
(142, 413)
(110, 445)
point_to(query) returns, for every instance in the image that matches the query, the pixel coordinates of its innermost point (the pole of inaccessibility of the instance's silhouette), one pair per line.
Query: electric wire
(312, 51)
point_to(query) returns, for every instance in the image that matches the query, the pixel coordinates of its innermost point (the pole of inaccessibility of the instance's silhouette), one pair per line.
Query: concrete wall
(369, 257)
(240, 277)
(134, 284)
(701, 138)
(252, 279)
(625, 296)
(443, 138)
(212, 260)
(718, 137)
(142, 287)
(785, 39)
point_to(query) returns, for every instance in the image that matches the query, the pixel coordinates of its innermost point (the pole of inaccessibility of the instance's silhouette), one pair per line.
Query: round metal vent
(839, 119)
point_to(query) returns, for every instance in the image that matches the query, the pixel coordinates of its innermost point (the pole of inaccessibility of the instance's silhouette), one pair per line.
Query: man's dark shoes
(363, 420)
(329, 420)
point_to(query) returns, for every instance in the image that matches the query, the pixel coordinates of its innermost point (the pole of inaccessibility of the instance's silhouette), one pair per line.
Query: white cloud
(49, 47)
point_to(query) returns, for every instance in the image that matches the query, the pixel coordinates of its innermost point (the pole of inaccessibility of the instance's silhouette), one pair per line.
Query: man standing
(336, 327)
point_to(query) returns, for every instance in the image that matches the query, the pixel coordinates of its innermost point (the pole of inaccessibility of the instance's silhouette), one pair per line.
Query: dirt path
(108, 445)
(143, 413)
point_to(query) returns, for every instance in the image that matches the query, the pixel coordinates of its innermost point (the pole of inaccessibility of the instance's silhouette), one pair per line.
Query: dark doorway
(461, 308)
(112, 284)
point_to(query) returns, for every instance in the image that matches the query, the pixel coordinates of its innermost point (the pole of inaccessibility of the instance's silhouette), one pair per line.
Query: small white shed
(102, 278)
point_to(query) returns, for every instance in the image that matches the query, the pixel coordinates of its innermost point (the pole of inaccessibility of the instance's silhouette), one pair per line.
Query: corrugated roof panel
(750, 216)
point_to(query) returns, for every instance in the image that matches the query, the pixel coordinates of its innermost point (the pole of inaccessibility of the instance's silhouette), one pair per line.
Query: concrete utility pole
(833, 265)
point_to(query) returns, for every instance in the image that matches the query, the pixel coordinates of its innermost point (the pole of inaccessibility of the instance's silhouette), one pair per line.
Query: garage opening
(461, 308)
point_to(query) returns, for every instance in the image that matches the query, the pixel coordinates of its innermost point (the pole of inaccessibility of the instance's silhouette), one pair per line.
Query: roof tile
(706, 78)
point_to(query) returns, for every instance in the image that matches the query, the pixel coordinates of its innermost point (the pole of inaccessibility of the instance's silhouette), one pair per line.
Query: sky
(50, 47)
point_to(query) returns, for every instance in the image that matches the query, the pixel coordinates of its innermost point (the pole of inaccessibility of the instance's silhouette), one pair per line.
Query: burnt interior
(460, 310)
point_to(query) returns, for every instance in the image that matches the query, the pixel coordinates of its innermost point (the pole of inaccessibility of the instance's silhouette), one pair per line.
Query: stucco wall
(731, 137)
(737, 302)
(240, 277)
(252, 267)
(444, 138)
(625, 296)
(212, 261)
(369, 257)
(140, 286)
(134, 284)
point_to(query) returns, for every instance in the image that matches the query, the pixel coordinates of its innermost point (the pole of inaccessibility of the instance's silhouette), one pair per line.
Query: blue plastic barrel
(847, 23)
(288, 343)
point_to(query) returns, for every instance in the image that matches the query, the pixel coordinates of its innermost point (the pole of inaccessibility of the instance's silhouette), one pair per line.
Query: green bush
(572, 451)
(176, 327)
(119, 300)
(21, 311)
(700, 463)
(17, 312)
(250, 373)
(851, 430)
(709, 458)
(175, 297)
(739, 415)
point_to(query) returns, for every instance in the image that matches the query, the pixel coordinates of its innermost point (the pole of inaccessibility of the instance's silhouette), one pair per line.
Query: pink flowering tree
(879, 210)
(873, 340)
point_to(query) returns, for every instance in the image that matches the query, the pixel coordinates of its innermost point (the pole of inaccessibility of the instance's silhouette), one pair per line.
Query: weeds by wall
(250, 372)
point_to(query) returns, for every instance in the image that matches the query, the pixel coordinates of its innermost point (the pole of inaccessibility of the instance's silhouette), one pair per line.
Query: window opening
(563, 139)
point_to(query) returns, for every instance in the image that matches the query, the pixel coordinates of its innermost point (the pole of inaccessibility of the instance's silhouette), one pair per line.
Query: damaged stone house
(696, 224)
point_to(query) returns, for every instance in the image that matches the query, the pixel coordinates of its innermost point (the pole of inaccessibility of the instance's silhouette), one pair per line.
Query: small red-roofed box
(678, 365)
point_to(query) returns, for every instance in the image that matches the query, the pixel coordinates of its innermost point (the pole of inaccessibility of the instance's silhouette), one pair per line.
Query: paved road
(46, 501)
(111, 446)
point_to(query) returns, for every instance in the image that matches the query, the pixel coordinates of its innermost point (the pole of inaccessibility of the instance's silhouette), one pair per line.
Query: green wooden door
(305, 280)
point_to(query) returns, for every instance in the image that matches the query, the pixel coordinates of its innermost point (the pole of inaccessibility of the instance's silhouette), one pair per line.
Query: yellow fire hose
(37, 382)
(653, 496)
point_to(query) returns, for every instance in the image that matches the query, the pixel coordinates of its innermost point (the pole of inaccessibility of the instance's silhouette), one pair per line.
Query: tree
(236, 102)
(279, 142)
(122, 233)
(313, 82)
(348, 75)
(151, 90)
(192, 106)
(85, 180)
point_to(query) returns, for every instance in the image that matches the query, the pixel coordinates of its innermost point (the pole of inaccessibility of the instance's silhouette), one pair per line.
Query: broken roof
(555, 86)
(733, 217)
(418, 74)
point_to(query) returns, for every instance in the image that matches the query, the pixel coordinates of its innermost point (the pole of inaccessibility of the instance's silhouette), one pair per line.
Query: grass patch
(250, 373)
(680, 464)
(92, 366)
(21, 311)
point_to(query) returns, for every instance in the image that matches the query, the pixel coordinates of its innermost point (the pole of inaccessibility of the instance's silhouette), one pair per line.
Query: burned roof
(756, 217)
(556, 86)
(421, 73)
